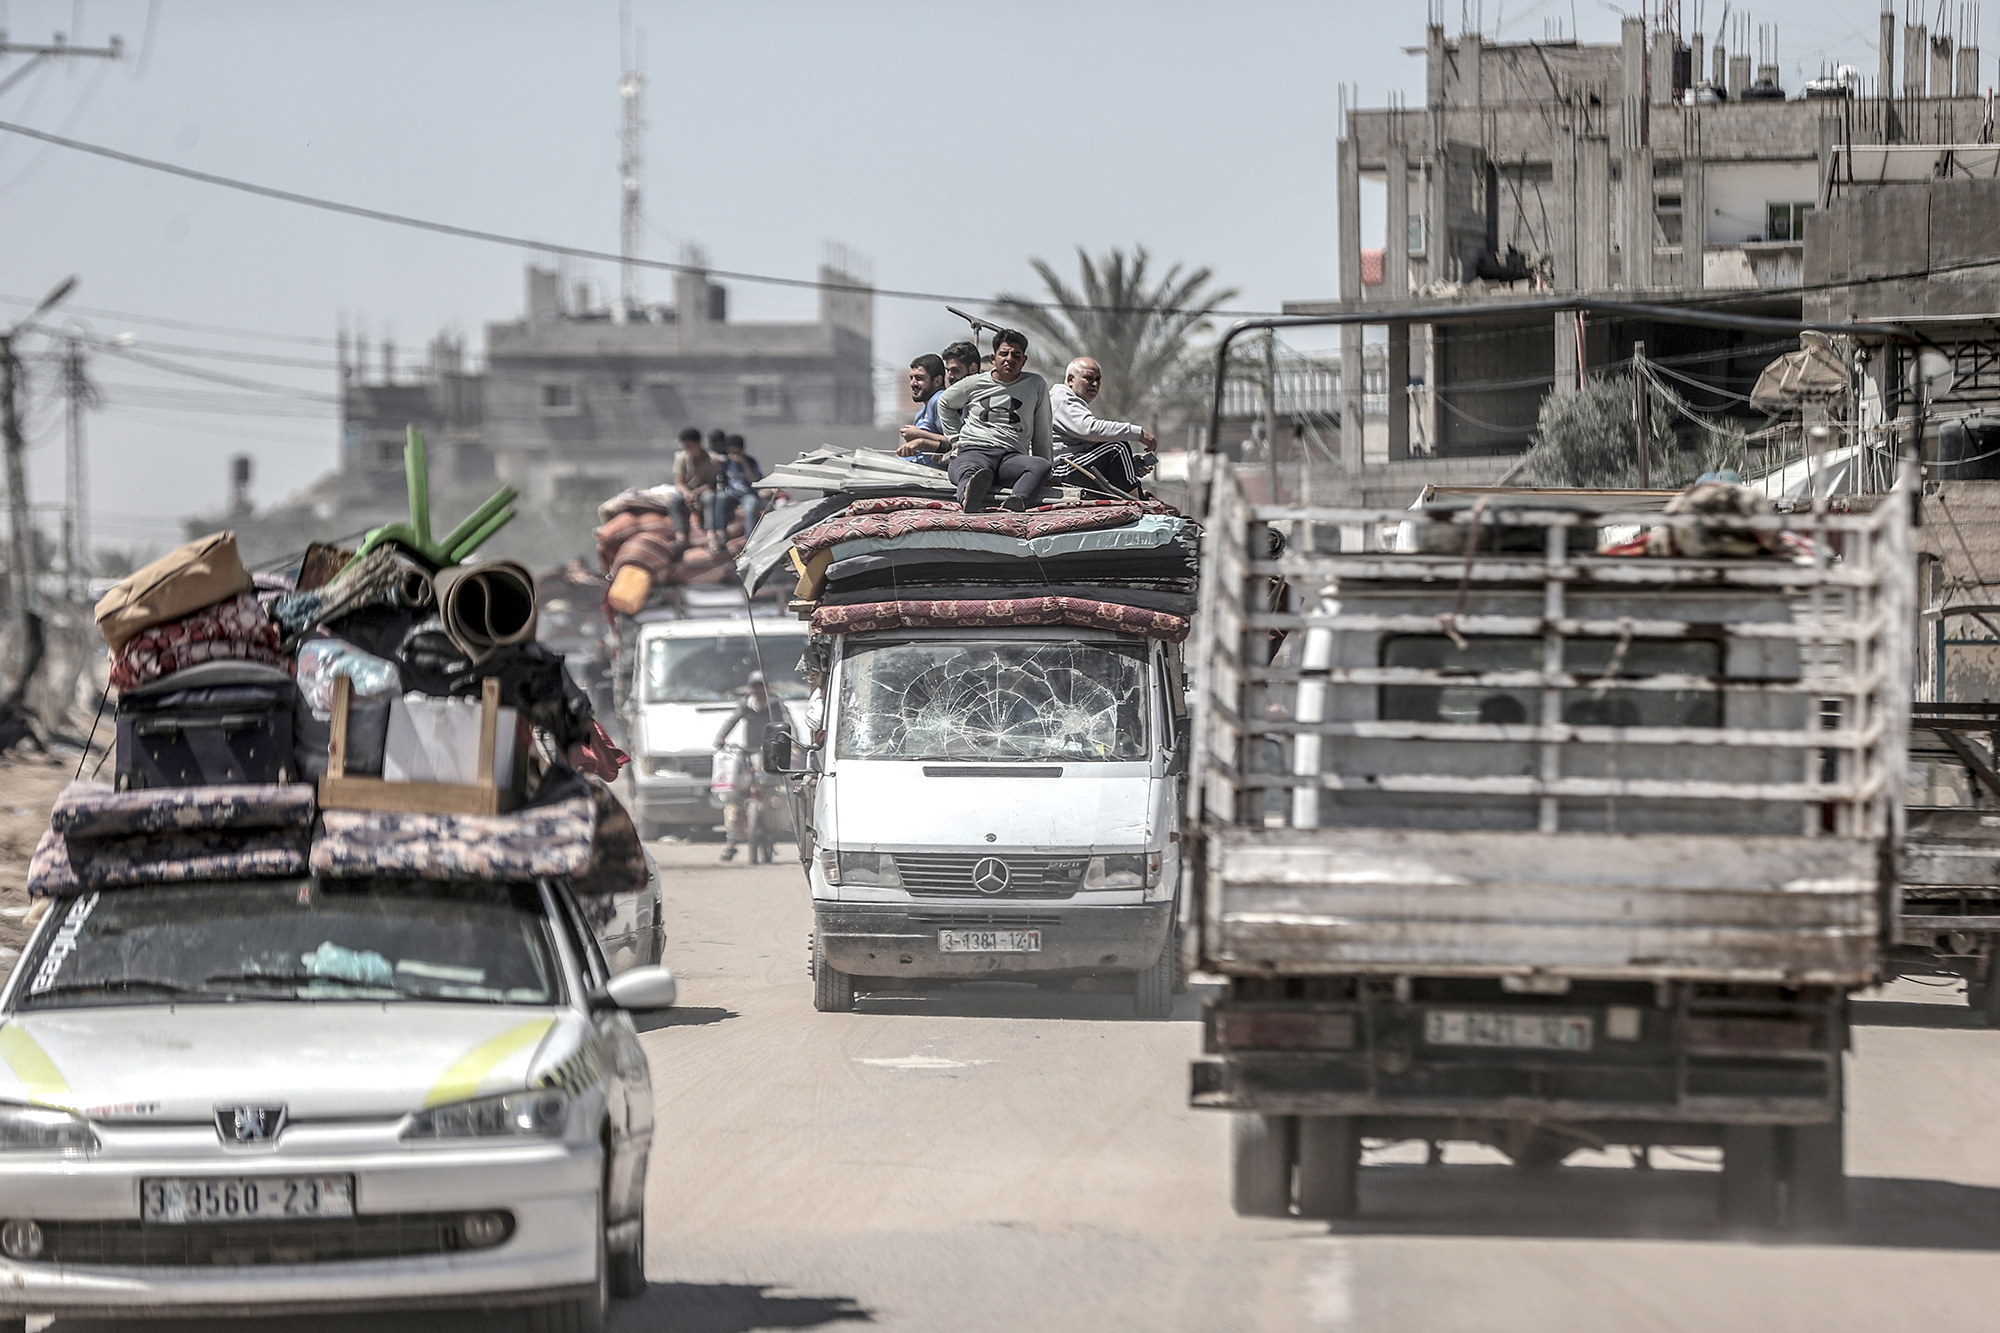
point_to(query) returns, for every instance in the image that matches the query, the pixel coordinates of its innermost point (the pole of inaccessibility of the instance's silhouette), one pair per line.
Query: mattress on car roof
(1175, 602)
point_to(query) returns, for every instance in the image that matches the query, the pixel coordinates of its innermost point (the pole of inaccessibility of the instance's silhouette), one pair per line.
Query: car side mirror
(647, 987)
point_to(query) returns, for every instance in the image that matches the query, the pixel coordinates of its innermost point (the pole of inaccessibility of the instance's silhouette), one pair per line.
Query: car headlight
(873, 870)
(538, 1113)
(43, 1129)
(1130, 870)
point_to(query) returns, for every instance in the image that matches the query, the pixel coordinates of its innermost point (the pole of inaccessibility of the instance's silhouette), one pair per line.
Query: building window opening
(558, 396)
(1787, 221)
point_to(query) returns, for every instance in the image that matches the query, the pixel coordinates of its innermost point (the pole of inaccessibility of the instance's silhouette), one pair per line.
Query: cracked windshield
(297, 939)
(1067, 701)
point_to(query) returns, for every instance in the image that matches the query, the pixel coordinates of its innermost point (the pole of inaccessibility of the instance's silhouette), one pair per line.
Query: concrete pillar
(1739, 77)
(1832, 133)
(1638, 238)
(1696, 70)
(1719, 76)
(1694, 221)
(1349, 223)
(1437, 250)
(1968, 71)
(1397, 373)
(1434, 65)
(1471, 53)
(1563, 244)
(1885, 78)
(1660, 69)
(1632, 71)
(1941, 71)
(1916, 44)
(1566, 353)
(1396, 223)
(1593, 213)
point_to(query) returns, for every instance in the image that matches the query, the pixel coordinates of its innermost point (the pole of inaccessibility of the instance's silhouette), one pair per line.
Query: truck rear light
(1748, 1034)
(1252, 1029)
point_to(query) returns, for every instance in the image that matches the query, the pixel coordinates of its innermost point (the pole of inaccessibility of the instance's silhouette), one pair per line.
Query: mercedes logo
(991, 875)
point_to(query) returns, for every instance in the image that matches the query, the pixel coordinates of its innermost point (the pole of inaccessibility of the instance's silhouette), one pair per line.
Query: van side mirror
(778, 749)
(1177, 760)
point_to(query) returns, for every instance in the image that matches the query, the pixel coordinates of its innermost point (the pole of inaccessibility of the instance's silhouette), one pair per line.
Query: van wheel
(1153, 996)
(1262, 1150)
(833, 990)
(628, 1267)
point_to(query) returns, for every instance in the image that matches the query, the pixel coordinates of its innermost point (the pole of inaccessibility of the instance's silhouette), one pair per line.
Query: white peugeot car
(262, 1096)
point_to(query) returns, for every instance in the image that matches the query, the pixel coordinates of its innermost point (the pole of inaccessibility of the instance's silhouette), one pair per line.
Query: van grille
(320, 1240)
(952, 874)
(973, 919)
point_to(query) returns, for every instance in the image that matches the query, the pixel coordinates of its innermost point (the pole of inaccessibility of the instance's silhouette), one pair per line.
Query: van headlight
(44, 1129)
(1128, 870)
(537, 1113)
(868, 870)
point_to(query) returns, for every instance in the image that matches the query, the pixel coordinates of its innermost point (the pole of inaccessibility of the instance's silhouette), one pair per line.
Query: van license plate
(245, 1198)
(990, 941)
(1531, 1032)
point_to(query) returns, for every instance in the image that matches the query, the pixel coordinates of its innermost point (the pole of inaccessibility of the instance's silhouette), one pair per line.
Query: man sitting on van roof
(998, 423)
(1084, 441)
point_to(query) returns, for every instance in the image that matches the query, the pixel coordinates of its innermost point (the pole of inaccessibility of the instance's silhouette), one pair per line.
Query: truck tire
(833, 990)
(1816, 1175)
(1329, 1166)
(1262, 1149)
(1750, 1172)
(1153, 996)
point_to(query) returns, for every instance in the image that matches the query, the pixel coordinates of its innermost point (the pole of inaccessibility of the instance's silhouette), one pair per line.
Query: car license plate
(1529, 1032)
(990, 941)
(245, 1198)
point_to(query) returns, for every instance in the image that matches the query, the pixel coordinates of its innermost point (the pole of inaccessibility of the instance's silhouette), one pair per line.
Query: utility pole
(76, 473)
(21, 574)
(1639, 414)
(58, 49)
(1271, 410)
(630, 84)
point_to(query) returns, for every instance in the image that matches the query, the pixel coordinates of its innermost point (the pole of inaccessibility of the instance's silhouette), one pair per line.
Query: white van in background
(687, 677)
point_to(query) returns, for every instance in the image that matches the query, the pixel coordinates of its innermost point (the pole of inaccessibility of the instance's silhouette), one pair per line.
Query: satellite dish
(1935, 369)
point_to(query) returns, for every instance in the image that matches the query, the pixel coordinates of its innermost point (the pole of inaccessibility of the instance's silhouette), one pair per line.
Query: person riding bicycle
(753, 715)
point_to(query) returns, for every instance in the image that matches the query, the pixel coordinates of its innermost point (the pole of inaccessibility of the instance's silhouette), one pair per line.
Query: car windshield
(937, 699)
(714, 670)
(358, 939)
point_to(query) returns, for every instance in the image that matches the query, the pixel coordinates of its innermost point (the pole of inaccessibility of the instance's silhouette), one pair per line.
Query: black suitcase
(219, 722)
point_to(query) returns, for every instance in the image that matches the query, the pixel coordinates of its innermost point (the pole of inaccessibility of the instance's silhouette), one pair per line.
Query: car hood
(319, 1060)
(896, 804)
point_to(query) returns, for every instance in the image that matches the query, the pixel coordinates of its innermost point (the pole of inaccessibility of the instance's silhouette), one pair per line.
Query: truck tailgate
(1654, 906)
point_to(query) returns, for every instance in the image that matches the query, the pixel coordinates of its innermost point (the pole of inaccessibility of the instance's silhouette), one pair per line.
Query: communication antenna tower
(632, 126)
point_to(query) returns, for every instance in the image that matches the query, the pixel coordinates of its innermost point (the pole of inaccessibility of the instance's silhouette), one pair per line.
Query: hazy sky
(946, 143)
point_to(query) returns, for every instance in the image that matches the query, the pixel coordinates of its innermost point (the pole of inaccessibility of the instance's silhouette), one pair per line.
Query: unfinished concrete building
(1654, 168)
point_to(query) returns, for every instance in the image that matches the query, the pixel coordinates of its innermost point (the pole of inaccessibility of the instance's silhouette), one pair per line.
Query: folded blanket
(1171, 567)
(903, 523)
(385, 577)
(1174, 601)
(1080, 612)
(1135, 535)
(95, 810)
(233, 629)
(548, 840)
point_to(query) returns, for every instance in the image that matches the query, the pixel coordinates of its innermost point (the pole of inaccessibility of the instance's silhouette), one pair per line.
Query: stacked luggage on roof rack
(382, 710)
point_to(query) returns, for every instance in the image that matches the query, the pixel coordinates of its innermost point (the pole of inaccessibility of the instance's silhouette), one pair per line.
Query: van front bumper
(902, 940)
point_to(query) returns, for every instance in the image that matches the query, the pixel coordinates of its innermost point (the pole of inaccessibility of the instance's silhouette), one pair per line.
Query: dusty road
(996, 1160)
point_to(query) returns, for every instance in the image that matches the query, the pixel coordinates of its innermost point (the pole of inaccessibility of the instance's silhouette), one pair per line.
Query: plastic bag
(728, 764)
(321, 660)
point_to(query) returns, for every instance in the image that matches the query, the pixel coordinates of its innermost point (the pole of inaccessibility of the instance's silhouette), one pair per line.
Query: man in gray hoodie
(999, 424)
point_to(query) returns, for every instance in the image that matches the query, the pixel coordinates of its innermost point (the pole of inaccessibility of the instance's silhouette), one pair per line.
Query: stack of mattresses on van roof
(918, 560)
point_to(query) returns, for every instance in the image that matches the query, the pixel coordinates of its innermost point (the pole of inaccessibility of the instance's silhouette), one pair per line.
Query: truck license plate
(1531, 1032)
(245, 1198)
(990, 941)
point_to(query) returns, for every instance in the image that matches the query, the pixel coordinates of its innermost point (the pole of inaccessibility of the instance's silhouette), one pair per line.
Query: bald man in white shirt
(1083, 440)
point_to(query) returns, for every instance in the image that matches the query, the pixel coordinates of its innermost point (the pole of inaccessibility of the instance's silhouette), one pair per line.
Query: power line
(571, 251)
(182, 324)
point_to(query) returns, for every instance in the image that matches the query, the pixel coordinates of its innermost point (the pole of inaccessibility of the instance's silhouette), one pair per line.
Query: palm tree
(1137, 332)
